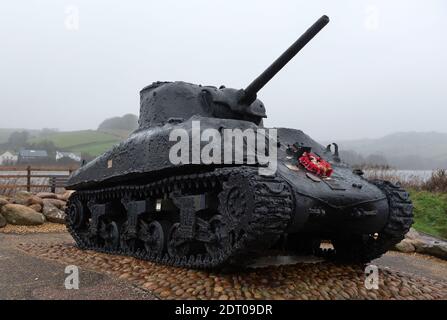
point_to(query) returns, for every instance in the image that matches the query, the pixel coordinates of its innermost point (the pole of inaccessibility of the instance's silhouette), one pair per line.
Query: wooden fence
(31, 178)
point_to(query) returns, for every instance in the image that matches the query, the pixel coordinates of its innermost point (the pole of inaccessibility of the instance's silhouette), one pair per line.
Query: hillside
(6, 132)
(404, 150)
(128, 122)
(88, 142)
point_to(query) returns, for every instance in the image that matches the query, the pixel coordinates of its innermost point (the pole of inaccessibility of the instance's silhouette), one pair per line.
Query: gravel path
(47, 227)
(311, 279)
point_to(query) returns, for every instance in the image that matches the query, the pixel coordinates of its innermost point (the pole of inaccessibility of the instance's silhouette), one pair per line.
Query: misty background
(378, 69)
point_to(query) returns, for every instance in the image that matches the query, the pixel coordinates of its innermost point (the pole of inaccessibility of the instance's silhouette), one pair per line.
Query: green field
(430, 212)
(89, 142)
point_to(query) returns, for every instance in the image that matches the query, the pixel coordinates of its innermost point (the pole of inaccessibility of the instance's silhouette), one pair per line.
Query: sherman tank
(154, 199)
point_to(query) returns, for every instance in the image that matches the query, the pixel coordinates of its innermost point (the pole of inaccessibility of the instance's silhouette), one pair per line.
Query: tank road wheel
(128, 241)
(177, 246)
(221, 237)
(364, 248)
(153, 236)
(109, 232)
(76, 214)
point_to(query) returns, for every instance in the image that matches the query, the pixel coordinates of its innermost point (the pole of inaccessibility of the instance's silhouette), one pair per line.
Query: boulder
(47, 195)
(36, 207)
(25, 198)
(55, 202)
(2, 221)
(64, 196)
(21, 197)
(23, 193)
(412, 234)
(423, 243)
(405, 246)
(53, 214)
(431, 246)
(3, 201)
(22, 215)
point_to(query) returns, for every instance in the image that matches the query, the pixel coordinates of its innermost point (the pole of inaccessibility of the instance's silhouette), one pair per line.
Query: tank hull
(291, 203)
(144, 157)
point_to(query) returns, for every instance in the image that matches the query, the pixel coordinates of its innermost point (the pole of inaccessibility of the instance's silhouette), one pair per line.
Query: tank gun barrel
(250, 92)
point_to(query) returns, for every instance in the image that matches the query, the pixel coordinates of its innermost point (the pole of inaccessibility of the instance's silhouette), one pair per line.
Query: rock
(405, 246)
(64, 196)
(35, 200)
(22, 215)
(21, 197)
(432, 246)
(218, 289)
(26, 198)
(423, 243)
(2, 221)
(23, 194)
(47, 195)
(412, 234)
(3, 201)
(53, 214)
(179, 292)
(36, 207)
(55, 202)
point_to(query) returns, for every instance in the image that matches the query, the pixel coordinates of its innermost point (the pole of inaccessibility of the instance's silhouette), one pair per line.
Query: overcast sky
(377, 68)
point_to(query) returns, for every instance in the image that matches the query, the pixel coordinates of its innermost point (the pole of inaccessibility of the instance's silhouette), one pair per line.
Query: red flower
(315, 164)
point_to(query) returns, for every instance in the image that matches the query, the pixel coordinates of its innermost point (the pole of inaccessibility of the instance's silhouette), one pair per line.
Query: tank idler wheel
(109, 232)
(177, 246)
(76, 216)
(221, 237)
(153, 236)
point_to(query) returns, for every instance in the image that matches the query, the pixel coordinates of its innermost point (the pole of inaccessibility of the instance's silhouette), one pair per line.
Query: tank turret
(163, 102)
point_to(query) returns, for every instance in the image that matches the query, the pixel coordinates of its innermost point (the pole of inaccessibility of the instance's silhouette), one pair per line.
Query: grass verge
(430, 212)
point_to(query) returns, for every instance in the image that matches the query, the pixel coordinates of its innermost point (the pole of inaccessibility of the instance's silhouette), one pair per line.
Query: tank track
(256, 210)
(363, 249)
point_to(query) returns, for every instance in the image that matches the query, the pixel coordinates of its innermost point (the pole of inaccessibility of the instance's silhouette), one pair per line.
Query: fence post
(53, 184)
(28, 178)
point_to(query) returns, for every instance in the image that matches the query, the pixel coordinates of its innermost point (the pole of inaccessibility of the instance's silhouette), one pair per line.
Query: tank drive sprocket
(201, 220)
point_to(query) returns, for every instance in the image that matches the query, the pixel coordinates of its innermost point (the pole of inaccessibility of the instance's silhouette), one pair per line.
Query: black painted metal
(257, 84)
(206, 215)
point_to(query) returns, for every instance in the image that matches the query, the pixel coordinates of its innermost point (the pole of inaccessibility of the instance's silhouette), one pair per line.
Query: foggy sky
(377, 68)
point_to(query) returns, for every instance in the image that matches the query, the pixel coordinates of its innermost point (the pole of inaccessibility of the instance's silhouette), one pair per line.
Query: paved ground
(23, 276)
(418, 264)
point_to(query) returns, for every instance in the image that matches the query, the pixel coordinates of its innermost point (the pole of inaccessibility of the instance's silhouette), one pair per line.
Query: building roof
(7, 154)
(33, 153)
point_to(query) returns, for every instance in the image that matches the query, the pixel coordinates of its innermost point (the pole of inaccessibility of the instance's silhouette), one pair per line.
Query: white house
(70, 155)
(8, 158)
